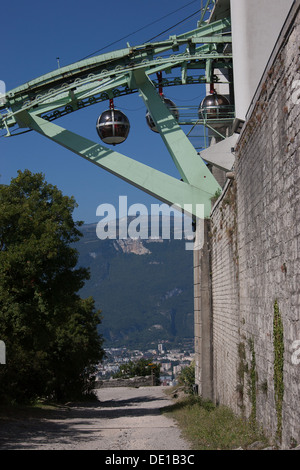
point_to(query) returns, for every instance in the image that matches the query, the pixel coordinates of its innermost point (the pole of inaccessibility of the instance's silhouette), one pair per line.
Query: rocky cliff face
(131, 246)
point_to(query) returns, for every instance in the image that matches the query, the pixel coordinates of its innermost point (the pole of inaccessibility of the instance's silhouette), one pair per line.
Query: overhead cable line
(180, 22)
(138, 30)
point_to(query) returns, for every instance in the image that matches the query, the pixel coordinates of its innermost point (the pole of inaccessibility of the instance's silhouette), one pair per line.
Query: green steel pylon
(36, 104)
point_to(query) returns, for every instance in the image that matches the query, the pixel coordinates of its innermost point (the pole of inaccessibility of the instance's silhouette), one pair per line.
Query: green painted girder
(66, 103)
(209, 5)
(167, 189)
(131, 69)
(121, 59)
(91, 89)
(68, 85)
(197, 185)
(191, 168)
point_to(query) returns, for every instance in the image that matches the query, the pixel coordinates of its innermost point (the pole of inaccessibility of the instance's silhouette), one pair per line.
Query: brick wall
(225, 297)
(254, 250)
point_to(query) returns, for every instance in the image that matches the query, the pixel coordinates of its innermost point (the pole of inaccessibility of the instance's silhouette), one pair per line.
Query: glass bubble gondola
(214, 106)
(113, 126)
(172, 108)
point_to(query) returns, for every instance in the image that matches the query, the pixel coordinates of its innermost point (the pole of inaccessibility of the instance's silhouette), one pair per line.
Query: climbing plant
(278, 366)
(252, 380)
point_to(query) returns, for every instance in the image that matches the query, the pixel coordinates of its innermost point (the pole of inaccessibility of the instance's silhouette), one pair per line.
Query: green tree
(139, 368)
(186, 378)
(51, 337)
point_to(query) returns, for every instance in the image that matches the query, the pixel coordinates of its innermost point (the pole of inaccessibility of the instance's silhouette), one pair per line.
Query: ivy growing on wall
(252, 380)
(251, 374)
(242, 369)
(278, 366)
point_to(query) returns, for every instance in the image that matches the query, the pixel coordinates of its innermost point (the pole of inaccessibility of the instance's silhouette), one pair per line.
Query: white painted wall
(256, 25)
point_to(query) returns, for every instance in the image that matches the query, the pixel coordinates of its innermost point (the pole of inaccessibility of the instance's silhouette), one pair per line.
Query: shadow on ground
(29, 428)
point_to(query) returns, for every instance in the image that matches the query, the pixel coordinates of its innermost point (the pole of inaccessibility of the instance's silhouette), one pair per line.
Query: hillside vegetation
(144, 288)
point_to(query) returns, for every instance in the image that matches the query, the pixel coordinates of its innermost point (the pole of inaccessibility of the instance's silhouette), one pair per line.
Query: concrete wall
(256, 25)
(202, 315)
(247, 276)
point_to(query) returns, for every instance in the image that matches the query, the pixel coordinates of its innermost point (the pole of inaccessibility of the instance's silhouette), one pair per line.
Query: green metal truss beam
(124, 57)
(37, 103)
(191, 168)
(156, 183)
(109, 71)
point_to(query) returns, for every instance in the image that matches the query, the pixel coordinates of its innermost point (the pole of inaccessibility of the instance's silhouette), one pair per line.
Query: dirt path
(122, 419)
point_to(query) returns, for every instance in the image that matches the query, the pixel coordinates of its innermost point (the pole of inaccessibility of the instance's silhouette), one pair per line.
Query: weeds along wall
(248, 306)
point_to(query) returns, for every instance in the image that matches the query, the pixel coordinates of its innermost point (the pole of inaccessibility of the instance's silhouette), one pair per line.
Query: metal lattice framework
(188, 58)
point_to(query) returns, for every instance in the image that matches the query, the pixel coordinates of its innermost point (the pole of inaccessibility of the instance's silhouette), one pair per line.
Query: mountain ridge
(144, 287)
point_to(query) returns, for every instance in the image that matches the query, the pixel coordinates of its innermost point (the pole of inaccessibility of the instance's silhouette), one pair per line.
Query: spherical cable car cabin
(169, 103)
(113, 126)
(214, 106)
(172, 108)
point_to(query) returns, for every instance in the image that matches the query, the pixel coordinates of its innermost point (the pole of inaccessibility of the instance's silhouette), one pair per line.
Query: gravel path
(123, 419)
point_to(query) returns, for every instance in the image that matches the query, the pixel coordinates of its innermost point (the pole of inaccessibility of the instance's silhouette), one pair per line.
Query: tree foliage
(51, 337)
(139, 368)
(186, 378)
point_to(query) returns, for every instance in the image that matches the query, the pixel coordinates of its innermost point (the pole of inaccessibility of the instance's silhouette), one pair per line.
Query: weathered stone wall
(225, 298)
(146, 381)
(254, 253)
(202, 313)
(268, 197)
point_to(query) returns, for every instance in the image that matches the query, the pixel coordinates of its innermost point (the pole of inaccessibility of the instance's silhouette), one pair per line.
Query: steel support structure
(36, 104)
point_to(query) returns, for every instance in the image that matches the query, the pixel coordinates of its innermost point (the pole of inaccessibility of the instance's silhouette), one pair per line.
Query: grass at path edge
(209, 427)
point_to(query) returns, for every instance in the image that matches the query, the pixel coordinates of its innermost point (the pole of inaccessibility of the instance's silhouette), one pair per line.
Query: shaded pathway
(123, 419)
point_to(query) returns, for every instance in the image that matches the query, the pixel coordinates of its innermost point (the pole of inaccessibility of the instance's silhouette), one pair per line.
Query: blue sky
(34, 34)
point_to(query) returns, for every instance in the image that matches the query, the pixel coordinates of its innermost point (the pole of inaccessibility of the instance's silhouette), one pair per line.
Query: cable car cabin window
(105, 131)
(120, 129)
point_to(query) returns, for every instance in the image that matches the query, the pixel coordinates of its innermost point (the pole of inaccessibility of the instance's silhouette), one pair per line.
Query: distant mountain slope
(144, 288)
